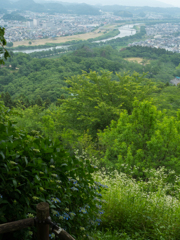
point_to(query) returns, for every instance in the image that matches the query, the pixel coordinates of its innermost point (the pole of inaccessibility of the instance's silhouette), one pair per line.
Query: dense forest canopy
(46, 77)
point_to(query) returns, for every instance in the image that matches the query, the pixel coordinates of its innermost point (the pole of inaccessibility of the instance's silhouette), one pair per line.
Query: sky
(175, 3)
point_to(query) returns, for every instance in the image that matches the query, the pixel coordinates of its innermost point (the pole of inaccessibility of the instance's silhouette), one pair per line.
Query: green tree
(39, 101)
(14, 65)
(47, 103)
(146, 139)
(96, 99)
(8, 102)
(10, 44)
(3, 51)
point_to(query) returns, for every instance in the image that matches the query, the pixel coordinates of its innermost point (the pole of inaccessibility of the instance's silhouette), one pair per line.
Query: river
(39, 50)
(126, 30)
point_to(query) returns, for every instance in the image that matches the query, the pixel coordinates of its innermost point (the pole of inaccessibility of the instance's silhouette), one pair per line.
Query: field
(85, 36)
(138, 60)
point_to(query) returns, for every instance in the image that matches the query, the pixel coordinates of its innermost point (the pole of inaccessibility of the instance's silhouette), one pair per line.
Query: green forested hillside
(97, 137)
(13, 16)
(25, 75)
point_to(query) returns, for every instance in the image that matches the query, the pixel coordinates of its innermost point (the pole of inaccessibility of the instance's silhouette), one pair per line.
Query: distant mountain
(5, 4)
(29, 5)
(138, 3)
(14, 16)
(51, 7)
(81, 9)
(123, 13)
(2, 11)
(138, 10)
(55, 7)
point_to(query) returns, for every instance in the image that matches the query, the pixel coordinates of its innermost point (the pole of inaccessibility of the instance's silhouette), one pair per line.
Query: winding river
(126, 30)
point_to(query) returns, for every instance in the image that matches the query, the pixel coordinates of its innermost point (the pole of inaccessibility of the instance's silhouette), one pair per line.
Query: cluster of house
(43, 25)
(164, 29)
(164, 36)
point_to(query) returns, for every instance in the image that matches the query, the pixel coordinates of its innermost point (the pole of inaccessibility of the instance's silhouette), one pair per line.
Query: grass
(140, 210)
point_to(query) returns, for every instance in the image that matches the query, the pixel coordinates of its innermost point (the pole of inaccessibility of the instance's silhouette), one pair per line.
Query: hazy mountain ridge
(137, 10)
(30, 5)
(83, 8)
(138, 3)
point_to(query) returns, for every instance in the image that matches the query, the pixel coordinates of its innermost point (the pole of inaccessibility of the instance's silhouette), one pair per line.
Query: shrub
(142, 209)
(35, 169)
(147, 139)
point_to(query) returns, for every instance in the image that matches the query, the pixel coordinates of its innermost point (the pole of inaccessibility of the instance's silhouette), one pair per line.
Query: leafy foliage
(134, 138)
(96, 99)
(33, 169)
(146, 139)
(3, 52)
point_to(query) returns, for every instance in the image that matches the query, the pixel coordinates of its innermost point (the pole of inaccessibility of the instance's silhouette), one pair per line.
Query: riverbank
(99, 32)
(58, 40)
(124, 31)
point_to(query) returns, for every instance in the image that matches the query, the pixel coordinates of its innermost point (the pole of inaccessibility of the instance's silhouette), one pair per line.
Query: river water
(126, 30)
(39, 50)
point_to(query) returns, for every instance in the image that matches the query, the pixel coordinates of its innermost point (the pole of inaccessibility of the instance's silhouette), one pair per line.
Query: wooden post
(42, 210)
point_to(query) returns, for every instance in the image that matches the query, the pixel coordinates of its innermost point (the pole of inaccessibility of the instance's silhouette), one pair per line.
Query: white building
(29, 24)
(35, 22)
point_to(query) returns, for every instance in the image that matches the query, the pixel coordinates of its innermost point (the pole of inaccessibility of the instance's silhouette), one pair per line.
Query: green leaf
(2, 154)
(15, 183)
(26, 160)
(3, 201)
(37, 178)
(27, 201)
(64, 165)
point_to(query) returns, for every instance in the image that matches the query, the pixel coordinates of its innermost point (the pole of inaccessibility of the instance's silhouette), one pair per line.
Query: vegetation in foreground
(96, 156)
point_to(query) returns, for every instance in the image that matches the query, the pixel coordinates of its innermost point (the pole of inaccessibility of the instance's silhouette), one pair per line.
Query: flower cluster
(55, 200)
(30, 215)
(74, 189)
(98, 206)
(72, 214)
(97, 199)
(98, 221)
(100, 185)
(83, 210)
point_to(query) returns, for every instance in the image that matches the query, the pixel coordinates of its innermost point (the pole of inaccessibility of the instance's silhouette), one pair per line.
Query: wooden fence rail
(42, 222)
